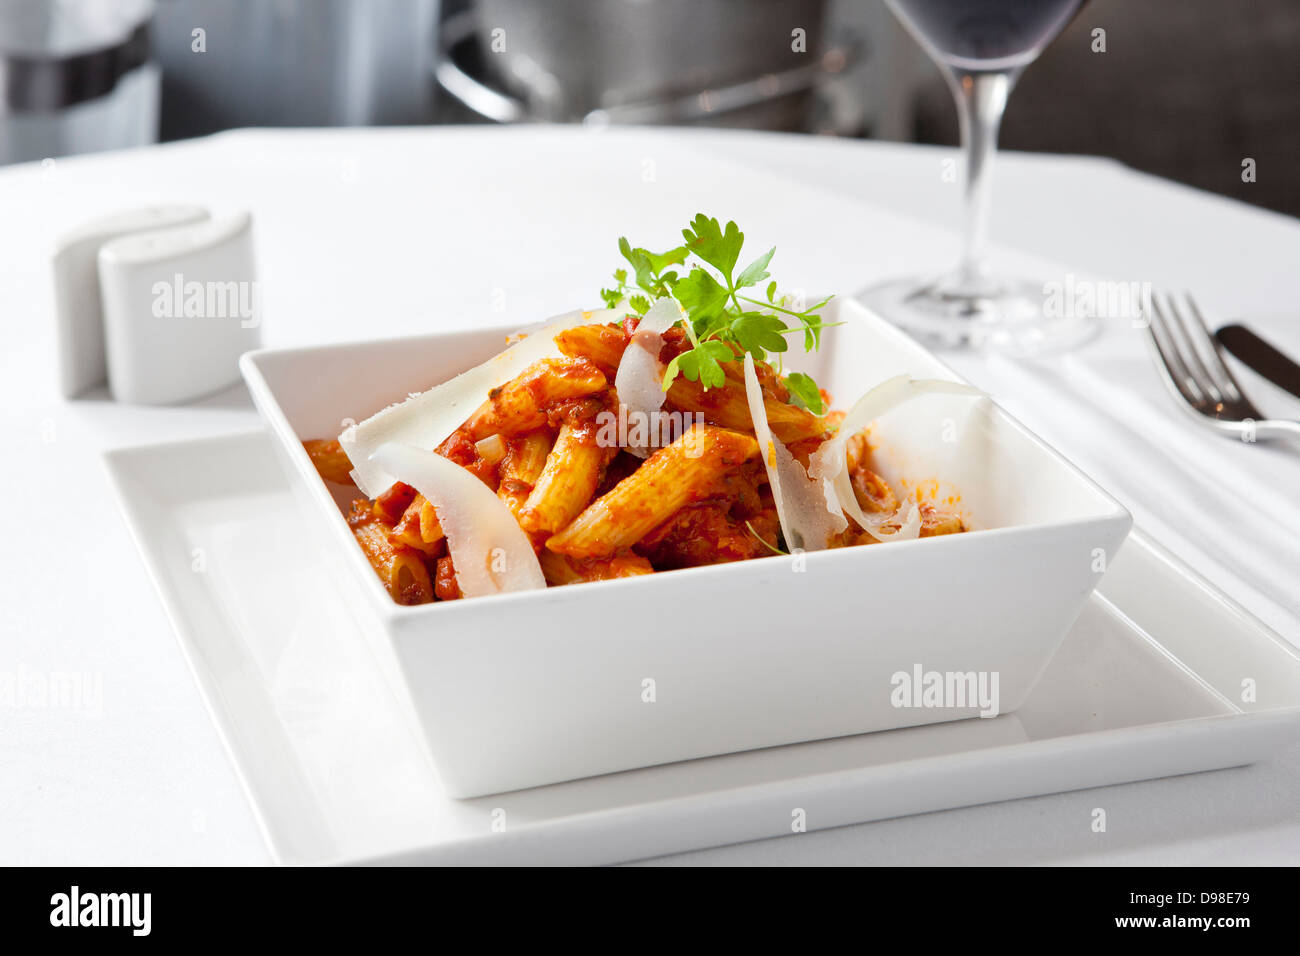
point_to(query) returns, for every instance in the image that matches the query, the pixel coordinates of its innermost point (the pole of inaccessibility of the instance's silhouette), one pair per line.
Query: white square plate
(1148, 683)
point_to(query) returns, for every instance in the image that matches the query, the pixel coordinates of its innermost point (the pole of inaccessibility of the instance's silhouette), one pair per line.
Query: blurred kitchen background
(1186, 89)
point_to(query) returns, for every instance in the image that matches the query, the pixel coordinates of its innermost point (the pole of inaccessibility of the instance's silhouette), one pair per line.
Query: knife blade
(1261, 356)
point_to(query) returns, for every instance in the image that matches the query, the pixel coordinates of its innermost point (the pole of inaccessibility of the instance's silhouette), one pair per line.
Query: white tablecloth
(385, 232)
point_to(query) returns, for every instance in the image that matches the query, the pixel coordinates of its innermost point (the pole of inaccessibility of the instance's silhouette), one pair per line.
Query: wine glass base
(1005, 316)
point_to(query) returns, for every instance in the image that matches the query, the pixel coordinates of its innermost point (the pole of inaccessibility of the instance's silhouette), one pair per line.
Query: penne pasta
(520, 405)
(430, 529)
(872, 492)
(561, 569)
(330, 459)
(401, 569)
(565, 453)
(521, 468)
(688, 470)
(463, 450)
(936, 521)
(445, 581)
(567, 482)
(768, 380)
(710, 533)
(602, 345)
(390, 505)
(728, 407)
(418, 528)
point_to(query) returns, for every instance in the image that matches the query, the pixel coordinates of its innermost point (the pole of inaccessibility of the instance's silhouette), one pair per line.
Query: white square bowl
(538, 687)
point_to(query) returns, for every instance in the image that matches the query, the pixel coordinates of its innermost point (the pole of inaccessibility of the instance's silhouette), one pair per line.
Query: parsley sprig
(722, 323)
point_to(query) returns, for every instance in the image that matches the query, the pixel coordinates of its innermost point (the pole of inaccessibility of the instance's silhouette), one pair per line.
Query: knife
(1260, 356)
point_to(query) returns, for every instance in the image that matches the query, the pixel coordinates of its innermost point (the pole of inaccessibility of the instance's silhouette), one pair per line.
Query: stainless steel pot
(294, 63)
(75, 77)
(722, 62)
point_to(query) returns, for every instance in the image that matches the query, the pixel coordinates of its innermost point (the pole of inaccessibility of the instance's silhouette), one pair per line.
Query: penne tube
(330, 459)
(391, 504)
(521, 468)
(445, 585)
(602, 345)
(520, 405)
(567, 482)
(873, 494)
(418, 528)
(687, 471)
(527, 457)
(709, 534)
(936, 521)
(430, 527)
(571, 458)
(401, 569)
(726, 405)
(768, 379)
(561, 569)
(857, 449)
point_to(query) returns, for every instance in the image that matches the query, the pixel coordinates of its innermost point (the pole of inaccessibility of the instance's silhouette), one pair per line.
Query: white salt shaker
(78, 310)
(180, 306)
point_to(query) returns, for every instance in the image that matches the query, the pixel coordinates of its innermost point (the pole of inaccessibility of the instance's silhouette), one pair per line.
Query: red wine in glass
(985, 35)
(981, 46)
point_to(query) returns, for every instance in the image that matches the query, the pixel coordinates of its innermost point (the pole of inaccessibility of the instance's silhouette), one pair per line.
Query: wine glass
(981, 46)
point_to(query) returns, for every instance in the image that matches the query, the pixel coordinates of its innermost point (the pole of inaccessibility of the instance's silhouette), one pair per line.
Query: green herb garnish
(722, 324)
(805, 393)
(650, 273)
(771, 547)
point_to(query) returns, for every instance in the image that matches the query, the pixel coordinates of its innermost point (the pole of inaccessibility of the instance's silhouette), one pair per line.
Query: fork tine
(1171, 363)
(1191, 354)
(1217, 368)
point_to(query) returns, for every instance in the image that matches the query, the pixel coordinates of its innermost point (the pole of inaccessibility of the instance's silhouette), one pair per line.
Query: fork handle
(1278, 428)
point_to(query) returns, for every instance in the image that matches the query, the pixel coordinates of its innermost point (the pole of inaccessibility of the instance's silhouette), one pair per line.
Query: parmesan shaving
(426, 419)
(830, 463)
(490, 552)
(639, 381)
(806, 523)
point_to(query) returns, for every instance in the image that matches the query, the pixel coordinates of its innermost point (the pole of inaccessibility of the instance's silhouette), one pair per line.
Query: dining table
(371, 233)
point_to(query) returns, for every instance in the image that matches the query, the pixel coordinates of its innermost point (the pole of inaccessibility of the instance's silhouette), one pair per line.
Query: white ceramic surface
(1147, 683)
(534, 688)
(180, 306)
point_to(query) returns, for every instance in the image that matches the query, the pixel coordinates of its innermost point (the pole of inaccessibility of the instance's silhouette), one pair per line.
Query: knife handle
(1261, 356)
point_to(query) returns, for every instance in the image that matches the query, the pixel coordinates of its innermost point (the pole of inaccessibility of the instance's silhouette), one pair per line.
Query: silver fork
(1192, 366)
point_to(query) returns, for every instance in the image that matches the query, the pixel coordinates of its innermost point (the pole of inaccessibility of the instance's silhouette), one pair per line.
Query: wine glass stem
(981, 100)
